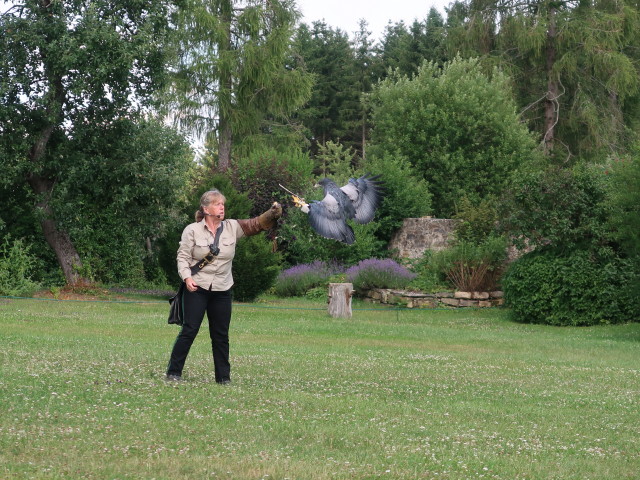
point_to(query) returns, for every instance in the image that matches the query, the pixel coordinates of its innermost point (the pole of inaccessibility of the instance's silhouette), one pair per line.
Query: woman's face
(215, 208)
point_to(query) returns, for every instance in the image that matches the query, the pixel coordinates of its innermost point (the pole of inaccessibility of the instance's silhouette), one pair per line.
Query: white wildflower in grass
(403, 395)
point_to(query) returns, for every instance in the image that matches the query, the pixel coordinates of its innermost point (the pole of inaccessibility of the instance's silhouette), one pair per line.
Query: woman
(204, 264)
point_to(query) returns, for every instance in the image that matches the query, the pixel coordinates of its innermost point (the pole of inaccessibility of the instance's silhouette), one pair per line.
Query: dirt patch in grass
(95, 293)
(79, 293)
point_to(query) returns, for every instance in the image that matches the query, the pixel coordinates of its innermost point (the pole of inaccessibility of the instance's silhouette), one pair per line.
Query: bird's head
(325, 183)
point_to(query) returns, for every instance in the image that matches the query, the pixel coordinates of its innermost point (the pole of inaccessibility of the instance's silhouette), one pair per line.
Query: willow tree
(571, 61)
(234, 68)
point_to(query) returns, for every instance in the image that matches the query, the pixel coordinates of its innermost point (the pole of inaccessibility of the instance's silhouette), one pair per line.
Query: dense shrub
(428, 276)
(301, 244)
(238, 206)
(298, 280)
(623, 202)
(255, 267)
(476, 221)
(562, 208)
(456, 125)
(406, 193)
(577, 220)
(16, 265)
(376, 273)
(261, 172)
(468, 266)
(576, 288)
(118, 197)
(103, 262)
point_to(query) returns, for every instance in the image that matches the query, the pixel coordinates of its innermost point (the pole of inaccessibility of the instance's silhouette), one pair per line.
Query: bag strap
(210, 256)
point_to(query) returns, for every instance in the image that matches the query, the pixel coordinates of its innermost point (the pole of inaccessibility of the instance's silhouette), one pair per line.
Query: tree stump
(340, 299)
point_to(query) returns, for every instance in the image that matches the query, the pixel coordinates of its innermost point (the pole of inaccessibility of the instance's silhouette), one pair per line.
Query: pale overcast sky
(345, 14)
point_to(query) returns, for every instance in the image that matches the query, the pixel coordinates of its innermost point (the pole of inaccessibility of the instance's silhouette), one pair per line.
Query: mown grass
(387, 394)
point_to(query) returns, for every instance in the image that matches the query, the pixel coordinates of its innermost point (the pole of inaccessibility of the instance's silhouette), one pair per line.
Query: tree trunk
(224, 145)
(551, 102)
(225, 136)
(340, 299)
(364, 136)
(58, 240)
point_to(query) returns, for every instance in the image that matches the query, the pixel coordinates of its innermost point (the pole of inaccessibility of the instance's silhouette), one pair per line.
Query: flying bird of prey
(357, 201)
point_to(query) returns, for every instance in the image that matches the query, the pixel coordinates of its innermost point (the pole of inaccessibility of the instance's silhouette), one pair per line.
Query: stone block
(450, 301)
(444, 294)
(395, 299)
(468, 303)
(375, 294)
(484, 303)
(409, 294)
(480, 295)
(425, 302)
(465, 295)
(496, 294)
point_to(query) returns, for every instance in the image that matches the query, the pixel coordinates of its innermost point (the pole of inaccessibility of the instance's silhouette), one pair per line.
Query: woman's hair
(207, 199)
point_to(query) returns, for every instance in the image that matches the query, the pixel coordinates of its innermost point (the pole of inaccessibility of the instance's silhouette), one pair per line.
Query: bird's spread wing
(328, 220)
(365, 194)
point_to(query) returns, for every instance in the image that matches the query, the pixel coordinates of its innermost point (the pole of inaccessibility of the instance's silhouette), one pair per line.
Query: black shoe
(173, 378)
(224, 381)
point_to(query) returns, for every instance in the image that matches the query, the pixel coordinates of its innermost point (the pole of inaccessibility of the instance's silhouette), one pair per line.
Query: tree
(574, 65)
(333, 110)
(234, 68)
(393, 51)
(456, 125)
(405, 49)
(334, 160)
(70, 68)
(624, 202)
(364, 50)
(434, 50)
(122, 196)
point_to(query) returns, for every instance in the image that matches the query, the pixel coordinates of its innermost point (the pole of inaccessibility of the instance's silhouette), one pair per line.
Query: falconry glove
(266, 221)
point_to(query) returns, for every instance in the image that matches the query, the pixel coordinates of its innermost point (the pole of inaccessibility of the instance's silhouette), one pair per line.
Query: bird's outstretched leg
(298, 201)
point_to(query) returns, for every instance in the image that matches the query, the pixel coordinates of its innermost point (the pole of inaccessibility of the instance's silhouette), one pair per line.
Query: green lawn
(387, 394)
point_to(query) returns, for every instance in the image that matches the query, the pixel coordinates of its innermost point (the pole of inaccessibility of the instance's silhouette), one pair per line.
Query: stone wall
(434, 300)
(419, 234)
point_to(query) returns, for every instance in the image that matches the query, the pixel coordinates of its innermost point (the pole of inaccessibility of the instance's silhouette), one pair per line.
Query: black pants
(217, 305)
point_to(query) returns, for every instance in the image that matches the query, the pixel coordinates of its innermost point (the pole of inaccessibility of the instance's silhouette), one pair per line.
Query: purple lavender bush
(296, 281)
(376, 273)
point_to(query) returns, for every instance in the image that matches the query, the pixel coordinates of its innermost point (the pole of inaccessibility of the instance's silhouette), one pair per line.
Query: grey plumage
(358, 200)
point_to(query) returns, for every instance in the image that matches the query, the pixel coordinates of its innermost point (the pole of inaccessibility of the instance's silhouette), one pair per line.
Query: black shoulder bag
(176, 303)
